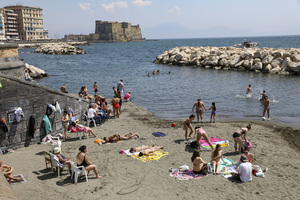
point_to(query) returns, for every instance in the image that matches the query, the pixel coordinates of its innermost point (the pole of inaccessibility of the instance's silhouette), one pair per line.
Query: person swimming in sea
(249, 90)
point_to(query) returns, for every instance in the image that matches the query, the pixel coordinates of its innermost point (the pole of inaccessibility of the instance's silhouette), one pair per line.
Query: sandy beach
(124, 177)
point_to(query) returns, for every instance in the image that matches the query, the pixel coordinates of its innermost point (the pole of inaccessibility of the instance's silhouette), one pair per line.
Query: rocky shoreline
(36, 45)
(265, 60)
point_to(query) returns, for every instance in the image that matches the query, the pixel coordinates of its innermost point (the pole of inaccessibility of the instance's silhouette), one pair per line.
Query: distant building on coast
(107, 31)
(10, 24)
(2, 29)
(24, 22)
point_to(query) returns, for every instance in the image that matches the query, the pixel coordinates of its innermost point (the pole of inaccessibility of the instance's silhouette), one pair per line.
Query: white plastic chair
(76, 171)
(58, 144)
(88, 120)
(56, 163)
(80, 131)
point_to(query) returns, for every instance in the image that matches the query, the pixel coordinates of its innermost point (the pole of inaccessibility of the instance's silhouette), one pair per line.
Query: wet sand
(124, 177)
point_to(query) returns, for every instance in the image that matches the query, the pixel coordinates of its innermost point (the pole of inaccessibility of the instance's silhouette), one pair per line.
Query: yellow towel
(156, 155)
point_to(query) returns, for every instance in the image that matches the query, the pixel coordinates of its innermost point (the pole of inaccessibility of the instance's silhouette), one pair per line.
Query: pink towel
(212, 139)
(81, 129)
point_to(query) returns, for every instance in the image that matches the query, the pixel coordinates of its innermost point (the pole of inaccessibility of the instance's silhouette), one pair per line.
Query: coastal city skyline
(171, 19)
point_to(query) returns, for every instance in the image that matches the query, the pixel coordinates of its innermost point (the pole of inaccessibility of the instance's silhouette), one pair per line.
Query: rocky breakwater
(59, 49)
(266, 60)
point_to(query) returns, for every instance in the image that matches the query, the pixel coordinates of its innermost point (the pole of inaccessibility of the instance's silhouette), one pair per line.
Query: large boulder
(248, 63)
(257, 66)
(267, 69)
(295, 57)
(267, 60)
(276, 62)
(294, 66)
(276, 70)
(35, 72)
(233, 60)
(285, 62)
(213, 60)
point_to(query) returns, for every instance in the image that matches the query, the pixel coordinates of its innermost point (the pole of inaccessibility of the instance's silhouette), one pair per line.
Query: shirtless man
(64, 89)
(263, 96)
(115, 103)
(267, 107)
(117, 137)
(249, 90)
(7, 172)
(199, 110)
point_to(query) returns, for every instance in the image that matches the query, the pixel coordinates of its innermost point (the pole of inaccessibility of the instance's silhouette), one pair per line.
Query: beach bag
(204, 170)
(194, 144)
(184, 168)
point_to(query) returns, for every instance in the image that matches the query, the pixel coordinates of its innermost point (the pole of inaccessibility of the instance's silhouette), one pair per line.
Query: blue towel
(158, 134)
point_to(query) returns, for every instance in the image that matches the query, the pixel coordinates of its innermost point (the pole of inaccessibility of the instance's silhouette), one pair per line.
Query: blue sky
(172, 18)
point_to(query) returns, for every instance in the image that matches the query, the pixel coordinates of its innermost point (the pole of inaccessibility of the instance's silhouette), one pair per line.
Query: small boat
(247, 44)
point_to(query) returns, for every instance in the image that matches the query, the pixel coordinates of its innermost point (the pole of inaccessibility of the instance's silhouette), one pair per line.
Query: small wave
(242, 96)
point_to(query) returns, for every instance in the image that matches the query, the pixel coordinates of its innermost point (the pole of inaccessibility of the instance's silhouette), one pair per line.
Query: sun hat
(56, 150)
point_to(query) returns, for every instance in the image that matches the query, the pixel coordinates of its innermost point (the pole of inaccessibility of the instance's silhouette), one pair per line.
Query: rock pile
(35, 72)
(266, 60)
(36, 45)
(59, 48)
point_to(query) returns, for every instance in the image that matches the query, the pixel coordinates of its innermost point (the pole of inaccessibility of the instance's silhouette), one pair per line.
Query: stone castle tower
(116, 31)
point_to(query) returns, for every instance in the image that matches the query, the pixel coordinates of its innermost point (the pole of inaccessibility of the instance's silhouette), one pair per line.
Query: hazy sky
(172, 18)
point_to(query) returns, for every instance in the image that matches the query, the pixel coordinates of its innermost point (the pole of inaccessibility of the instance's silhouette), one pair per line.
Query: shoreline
(128, 178)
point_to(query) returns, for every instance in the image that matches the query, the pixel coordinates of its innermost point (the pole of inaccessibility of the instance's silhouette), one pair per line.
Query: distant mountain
(176, 30)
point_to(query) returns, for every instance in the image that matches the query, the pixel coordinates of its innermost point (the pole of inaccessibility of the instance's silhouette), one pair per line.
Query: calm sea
(171, 96)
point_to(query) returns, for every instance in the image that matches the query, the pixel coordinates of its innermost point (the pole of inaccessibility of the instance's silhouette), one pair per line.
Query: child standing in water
(96, 88)
(213, 111)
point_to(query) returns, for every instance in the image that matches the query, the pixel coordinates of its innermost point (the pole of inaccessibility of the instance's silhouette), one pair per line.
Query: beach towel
(23, 179)
(214, 141)
(186, 175)
(158, 134)
(156, 155)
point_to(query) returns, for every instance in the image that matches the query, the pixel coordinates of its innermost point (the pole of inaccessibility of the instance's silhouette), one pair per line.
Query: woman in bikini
(201, 133)
(213, 109)
(239, 136)
(199, 165)
(199, 110)
(187, 125)
(115, 103)
(82, 160)
(216, 155)
(145, 150)
(96, 88)
(117, 137)
(65, 122)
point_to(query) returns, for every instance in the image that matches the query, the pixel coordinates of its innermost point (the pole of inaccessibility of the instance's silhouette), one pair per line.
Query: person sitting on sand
(82, 128)
(249, 156)
(117, 137)
(239, 136)
(266, 107)
(199, 110)
(7, 172)
(115, 104)
(187, 125)
(244, 171)
(64, 89)
(216, 155)
(104, 107)
(201, 133)
(199, 165)
(127, 96)
(82, 160)
(145, 150)
(62, 159)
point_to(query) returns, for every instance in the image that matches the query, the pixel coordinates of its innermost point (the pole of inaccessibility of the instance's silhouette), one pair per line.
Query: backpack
(194, 144)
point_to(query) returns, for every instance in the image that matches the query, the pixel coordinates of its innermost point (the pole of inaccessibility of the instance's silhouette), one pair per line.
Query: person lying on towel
(116, 137)
(145, 150)
(7, 172)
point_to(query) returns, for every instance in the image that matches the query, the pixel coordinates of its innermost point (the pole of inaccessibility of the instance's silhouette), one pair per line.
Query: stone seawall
(10, 62)
(266, 60)
(33, 99)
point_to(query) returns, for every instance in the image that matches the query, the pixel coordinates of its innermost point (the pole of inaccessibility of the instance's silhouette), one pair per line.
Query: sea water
(172, 95)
